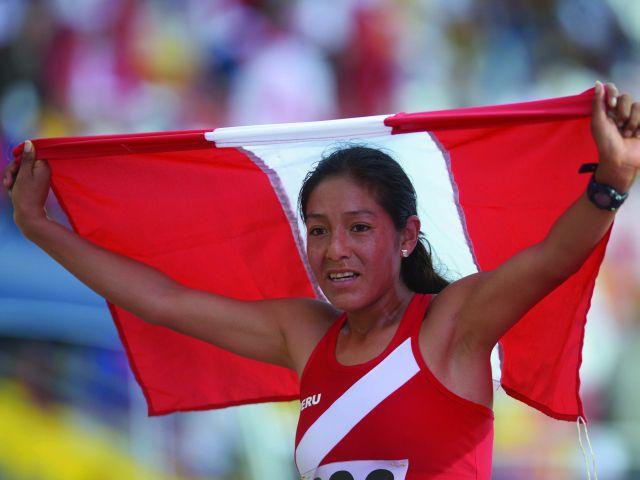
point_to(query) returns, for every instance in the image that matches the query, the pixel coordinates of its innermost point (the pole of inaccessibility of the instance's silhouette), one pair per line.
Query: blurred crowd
(78, 67)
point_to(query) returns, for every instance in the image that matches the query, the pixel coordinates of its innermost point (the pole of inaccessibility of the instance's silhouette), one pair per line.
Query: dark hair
(395, 194)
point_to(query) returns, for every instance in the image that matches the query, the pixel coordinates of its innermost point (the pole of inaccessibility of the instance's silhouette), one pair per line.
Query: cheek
(376, 257)
(383, 258)
(314, 255)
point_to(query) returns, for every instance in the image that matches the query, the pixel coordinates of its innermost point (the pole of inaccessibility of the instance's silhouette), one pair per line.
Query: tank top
(388, 418)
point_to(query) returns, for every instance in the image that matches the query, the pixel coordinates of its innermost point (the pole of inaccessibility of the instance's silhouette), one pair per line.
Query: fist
(615, 126)
(27, 184)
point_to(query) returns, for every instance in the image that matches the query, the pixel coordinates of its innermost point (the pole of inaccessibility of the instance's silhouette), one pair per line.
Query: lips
(342, 276)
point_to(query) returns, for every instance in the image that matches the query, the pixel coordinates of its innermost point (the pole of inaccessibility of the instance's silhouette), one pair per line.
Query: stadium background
(69, 408)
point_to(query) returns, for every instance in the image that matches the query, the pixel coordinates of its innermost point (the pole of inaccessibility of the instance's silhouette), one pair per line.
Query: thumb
(28, 155)
(599, 113)
(599, 118)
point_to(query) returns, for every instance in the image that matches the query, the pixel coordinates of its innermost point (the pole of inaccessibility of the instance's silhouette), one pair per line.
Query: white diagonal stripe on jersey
(354, 404)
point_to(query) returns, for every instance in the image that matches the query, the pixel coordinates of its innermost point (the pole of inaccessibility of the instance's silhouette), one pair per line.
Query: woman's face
(352, 245)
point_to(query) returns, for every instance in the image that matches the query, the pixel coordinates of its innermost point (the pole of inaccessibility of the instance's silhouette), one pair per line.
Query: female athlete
(395, 373)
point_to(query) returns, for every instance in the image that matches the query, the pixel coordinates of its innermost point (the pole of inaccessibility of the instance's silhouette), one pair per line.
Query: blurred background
(69, 407)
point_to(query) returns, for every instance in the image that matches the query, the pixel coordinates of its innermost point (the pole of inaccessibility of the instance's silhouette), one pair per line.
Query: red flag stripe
(552, 109)
(186, 224)
(507, 214)
(120, 144)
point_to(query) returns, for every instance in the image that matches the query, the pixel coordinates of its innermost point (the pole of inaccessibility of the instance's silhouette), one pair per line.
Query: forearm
(576, 233)
(132, 285)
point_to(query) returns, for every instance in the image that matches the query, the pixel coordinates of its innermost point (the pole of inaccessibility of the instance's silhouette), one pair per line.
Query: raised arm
(492, 302)
(262, 330)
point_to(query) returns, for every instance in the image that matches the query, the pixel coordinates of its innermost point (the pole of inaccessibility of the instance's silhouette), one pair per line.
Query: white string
(584, 453)
(593, 455)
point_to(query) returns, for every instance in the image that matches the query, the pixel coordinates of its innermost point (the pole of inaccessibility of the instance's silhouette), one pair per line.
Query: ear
(409, 234)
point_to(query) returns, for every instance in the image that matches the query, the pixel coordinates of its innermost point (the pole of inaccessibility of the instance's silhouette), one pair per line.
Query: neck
(386, 311)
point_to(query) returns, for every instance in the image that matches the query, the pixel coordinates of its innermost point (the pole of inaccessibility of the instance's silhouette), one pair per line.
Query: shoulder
(306, 321)
(307, 310)
(305, 317)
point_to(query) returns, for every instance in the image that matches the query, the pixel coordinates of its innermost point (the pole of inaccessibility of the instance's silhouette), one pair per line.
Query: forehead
(341, 195)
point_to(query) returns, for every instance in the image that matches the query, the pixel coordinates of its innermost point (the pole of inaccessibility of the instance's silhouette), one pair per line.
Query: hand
(27, 184)
(615, 126)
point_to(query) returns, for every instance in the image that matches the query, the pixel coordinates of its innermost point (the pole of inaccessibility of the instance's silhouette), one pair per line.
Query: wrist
(30, 225)
(604, 196)
(619, 177)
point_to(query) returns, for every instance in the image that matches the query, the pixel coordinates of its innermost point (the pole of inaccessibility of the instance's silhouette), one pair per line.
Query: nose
(338, 248)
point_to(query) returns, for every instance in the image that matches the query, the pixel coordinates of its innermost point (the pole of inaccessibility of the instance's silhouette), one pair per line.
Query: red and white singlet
(388, 418)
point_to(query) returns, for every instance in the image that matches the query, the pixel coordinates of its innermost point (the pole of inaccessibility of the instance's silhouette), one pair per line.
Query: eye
(360, 227)
(315, 231)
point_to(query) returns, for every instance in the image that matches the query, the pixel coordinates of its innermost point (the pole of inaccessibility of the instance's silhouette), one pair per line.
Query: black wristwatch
(605, 196)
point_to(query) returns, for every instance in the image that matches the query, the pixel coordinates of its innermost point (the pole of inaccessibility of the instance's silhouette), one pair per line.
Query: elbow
(158, 310)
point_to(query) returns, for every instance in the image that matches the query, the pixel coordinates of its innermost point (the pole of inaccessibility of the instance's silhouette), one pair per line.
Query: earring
(404, 253)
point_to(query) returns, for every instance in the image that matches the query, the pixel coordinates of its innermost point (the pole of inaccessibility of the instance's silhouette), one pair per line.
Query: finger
(7, 169)
(599, 114)
(612, 95)
(28, 153)
(623, 109)
(633, 122)
(9, 174)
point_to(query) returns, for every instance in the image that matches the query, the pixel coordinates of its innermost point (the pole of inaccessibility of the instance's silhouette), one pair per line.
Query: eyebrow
(350, 212)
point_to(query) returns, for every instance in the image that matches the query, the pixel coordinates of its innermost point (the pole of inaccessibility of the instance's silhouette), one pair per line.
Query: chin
(346, 301)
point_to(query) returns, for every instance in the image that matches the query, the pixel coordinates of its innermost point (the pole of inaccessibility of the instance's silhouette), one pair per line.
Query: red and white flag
(217, 210)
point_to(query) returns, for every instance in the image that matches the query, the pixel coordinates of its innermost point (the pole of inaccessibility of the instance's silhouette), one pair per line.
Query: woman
(394, 383)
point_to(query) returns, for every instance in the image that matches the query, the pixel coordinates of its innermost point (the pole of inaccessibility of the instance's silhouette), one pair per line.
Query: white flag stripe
(291, 213)
(362, 397)
(496, 366)
(346, 128)
(428, 168)
(425, 165)
(292, 163)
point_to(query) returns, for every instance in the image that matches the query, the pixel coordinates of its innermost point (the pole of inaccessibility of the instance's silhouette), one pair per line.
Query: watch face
(601, 198)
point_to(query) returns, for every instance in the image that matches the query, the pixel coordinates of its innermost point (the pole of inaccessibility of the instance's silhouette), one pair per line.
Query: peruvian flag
(217, 210)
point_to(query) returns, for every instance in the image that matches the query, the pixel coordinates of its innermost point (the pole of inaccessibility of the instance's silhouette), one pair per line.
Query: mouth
(342, 277)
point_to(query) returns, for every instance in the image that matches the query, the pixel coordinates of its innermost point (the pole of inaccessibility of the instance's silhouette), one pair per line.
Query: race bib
(363, 470)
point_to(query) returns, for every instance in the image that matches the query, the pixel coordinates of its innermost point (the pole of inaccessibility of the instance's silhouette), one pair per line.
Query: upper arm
(493, 301)
(277, 331)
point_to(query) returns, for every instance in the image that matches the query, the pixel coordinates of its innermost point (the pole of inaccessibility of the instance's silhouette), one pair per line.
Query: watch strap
(604, 196)
(588, 167)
